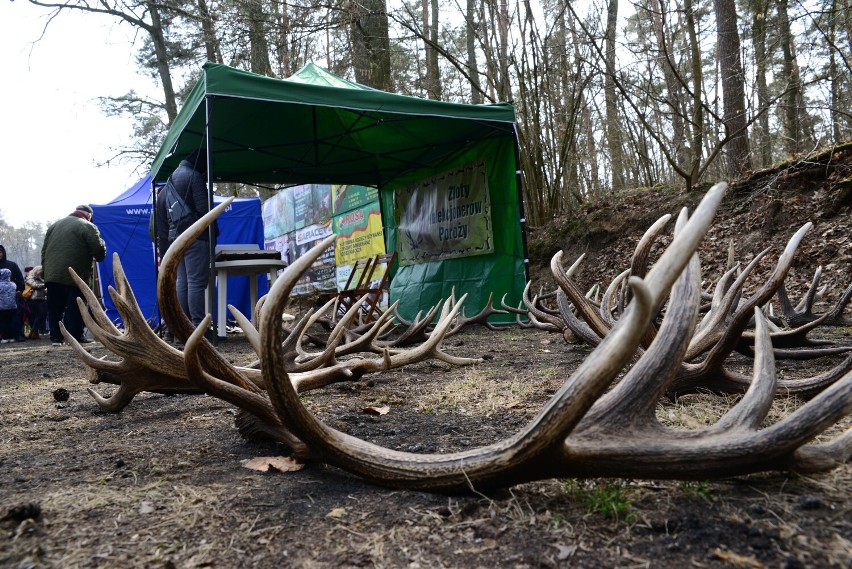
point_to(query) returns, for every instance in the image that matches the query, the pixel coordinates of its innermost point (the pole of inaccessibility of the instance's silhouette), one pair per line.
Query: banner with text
(445, 217)
(359, 234)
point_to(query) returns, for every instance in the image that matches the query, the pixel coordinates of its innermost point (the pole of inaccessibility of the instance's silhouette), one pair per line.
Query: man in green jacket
(74, 242)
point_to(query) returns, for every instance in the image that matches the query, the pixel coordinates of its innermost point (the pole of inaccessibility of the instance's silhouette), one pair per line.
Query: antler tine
(313, 318)
(802, 314)
(575, 266)
(432, 346)
(531, 322)
(733, 447)
(577, 327)
(821, 457)
(755, 404)
(400, 319)
(335, 338)
(581, 304)
(537, 315)
(177, 320)
(713, 328)
(416, 331)
(743, 314)
(806, 304)
(366, 341)
(722, 286)
(103, 324)
(836, 313)
(249, 331)
(607, 304)
(631, 403)
(480, 318)
(289, 350)
(639, 262)
(137, 371)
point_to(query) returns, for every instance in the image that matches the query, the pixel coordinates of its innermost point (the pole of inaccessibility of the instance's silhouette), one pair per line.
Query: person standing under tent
(73, 241)
(190, 183)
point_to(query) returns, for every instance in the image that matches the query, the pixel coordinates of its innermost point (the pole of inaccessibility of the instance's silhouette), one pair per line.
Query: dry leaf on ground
(279, 463)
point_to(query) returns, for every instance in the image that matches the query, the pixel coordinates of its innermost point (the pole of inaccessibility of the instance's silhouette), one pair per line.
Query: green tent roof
(316, 127)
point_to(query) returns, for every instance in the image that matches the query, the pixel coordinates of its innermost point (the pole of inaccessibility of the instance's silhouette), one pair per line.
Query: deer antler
(581, 431)
(558, 442)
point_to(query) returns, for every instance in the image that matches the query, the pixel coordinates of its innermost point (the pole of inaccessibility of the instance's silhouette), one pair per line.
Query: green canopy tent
(315, 127)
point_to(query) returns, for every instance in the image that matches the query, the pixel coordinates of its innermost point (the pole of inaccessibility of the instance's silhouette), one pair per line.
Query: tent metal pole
(211, 283)
(523, 215)
(157, 317)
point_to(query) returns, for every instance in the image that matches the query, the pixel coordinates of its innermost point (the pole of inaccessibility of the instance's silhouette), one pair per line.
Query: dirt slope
(764, 210)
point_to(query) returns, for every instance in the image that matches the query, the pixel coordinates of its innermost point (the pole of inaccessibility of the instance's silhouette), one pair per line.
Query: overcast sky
(53, 131)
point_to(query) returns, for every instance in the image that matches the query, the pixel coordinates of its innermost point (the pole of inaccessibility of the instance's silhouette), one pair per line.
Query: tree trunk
(504, 85)
(697, 141)
(473, 67)
(208, 32)
(256, 19)
(430, 40)
(370, 43)
(159, 42)
(758, 35)
(282, 39)
(792, 127)
(613, 128)
(733, 88)
(673, 86)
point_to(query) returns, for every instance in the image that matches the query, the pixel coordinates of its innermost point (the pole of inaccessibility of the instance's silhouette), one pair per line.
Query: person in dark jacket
(73, 241)
(18, 278)
(190, 181)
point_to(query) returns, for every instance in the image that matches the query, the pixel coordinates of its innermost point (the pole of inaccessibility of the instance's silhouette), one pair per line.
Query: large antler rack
(717, 334)
(147, 363)
(581, 431)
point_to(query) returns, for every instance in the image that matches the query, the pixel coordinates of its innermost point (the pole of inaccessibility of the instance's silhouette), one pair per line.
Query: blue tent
(123, 224)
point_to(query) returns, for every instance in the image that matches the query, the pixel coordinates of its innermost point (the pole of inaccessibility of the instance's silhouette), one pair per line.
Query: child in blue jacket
(8, 306)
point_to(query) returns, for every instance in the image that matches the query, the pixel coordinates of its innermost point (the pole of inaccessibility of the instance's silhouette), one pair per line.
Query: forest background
(610, 95)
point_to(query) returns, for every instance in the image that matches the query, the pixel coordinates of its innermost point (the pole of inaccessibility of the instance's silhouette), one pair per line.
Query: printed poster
(359, 234)
(322, 275)
(282, 245)
(445, 217)
(277, 213)
(303, 204)
(347, 197)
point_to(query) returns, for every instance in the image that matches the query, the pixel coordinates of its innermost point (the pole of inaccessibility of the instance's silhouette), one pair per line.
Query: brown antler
(577, 435)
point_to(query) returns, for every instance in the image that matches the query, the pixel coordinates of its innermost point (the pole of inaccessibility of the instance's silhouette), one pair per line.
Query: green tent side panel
(418, 287)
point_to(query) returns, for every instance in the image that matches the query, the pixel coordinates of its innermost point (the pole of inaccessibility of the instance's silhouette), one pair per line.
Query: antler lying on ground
(584, 431)
(719, 332)
(147, 363)
(802, 313)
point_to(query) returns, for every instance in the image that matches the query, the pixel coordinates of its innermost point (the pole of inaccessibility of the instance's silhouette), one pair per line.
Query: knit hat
(85, 208)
